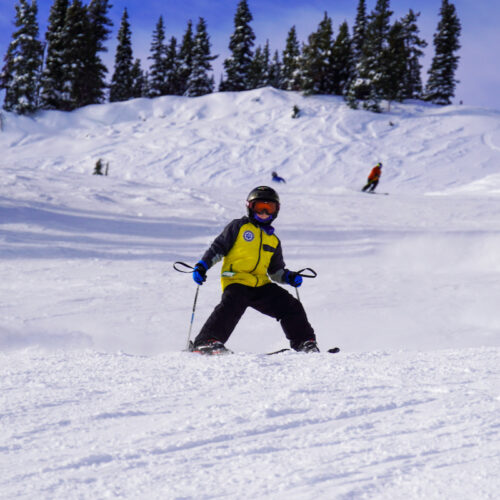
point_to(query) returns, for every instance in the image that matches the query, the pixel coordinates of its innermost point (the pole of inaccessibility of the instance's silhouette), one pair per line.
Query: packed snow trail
(96, 398)
(372, 425)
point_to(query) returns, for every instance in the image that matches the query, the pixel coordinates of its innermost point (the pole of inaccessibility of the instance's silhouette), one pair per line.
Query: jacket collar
(267, 228)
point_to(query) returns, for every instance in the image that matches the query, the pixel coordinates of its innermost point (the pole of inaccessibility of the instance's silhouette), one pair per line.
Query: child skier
(277, 178)
(373, 178)
(252, 254)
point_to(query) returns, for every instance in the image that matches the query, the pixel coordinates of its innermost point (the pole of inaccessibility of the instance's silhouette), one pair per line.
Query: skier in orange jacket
(373, 178)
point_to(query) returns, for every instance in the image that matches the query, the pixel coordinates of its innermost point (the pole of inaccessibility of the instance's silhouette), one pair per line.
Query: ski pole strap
(307, 272)
(178, 263)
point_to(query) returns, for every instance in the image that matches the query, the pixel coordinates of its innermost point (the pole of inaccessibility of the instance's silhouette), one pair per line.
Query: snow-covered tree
(259, 71)
(139, 80)
(413, 48)
(355, 89)
(185, 60)
(122, 81)
(20, 75)
(74, 74)
(317, 74)
(75, 39)
(394, 89)
(95, 70)
(291, 74)
(238, 66)
(276, 72)
(52, 80)
(201, 81)
(441, 84)
(158, 73)
(172, 67)
(342, 60)
(359, 31)
(371, 75)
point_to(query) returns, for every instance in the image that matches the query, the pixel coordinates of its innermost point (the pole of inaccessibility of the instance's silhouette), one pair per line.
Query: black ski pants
(371, 184)
(271, 300)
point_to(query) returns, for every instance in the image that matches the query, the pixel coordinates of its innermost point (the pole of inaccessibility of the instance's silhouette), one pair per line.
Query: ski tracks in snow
(249, 426)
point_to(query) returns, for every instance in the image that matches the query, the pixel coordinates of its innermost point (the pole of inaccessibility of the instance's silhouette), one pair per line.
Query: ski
(277, 352)
(333, 350)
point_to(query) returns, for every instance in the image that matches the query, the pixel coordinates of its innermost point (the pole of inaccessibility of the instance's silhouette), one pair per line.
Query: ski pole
(307, 272)
(192, 317)
(195, 298)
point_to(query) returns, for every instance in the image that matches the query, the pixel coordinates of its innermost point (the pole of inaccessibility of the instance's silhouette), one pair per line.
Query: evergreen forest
(376, 60)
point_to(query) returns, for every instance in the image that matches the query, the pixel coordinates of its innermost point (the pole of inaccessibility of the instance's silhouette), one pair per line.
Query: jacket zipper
(258, 258)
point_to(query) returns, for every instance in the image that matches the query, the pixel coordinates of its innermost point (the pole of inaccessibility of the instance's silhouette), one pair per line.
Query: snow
(97, 399)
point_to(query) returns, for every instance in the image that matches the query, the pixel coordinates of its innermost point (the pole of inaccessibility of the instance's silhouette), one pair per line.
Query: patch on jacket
(248, 236)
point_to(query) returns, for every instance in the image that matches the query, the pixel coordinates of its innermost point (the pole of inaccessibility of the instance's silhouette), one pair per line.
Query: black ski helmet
(263, 193)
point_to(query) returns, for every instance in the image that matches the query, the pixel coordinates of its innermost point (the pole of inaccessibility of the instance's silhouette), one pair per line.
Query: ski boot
(308, 346)
(209, 348)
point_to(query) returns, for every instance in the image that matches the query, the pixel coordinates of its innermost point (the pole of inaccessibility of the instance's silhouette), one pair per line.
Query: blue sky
(479, 67)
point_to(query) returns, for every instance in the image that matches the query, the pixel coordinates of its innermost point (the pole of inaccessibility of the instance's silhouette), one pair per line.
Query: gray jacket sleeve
(276, 270)
(223, 243)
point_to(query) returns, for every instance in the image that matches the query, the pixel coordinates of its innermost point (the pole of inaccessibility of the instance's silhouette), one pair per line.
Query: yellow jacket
(252, 254)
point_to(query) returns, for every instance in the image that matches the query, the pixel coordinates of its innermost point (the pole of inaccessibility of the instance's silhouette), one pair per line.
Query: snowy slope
(97, 401)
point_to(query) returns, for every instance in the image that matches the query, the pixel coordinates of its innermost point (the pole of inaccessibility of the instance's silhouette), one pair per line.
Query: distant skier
(373, 178)
(98, 167)
(252, 254)
(277, 178)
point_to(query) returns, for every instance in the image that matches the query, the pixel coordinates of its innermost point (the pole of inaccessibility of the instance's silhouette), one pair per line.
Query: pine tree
(276, 72)
(356, 88)
(75, 57)
(122, 81)
(139, 87)
(52, 81)
(158, 84)
(359, 31)
(172, 67)
(259, 71)
(342, 60)
(317, 71)
(238, 65)
(21, 72)
(413, 45)
(371, 79)
(292, 77)
(200, 82)
(441, 84)
(185, 58)
(397, 63)
(95, 70)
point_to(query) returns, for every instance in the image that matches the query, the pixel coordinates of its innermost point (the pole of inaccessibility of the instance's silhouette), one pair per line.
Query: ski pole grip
(178, 263)
(307, 272)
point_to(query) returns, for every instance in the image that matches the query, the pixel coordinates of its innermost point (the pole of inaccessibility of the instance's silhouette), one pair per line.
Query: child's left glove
(293, 279)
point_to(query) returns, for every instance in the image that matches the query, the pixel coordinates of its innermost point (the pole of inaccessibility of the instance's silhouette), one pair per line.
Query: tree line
(376, 61)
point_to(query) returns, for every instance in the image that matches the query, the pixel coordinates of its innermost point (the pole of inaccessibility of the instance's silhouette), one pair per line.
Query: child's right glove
(293, 279)
(200, 272)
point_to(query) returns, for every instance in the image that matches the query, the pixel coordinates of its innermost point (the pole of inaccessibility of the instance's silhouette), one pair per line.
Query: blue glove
(294, 279)
(200, 272)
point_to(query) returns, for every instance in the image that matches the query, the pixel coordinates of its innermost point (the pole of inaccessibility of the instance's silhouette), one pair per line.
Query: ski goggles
(258, 206)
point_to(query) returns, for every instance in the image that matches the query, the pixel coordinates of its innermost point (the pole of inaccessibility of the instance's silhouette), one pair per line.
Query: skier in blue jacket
(277, 178)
